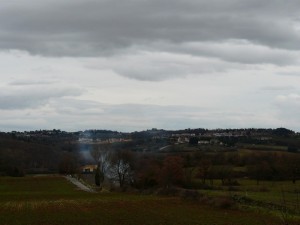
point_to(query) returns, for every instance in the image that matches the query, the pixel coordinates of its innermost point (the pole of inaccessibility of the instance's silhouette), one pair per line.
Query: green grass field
(270, 191)
(51, 200)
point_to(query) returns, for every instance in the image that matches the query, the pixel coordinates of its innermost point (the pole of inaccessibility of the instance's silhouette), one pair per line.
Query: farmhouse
(88, 168)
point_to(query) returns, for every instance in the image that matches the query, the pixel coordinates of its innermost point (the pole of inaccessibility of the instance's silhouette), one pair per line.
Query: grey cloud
(291, 99)
(278, 88)
(179, 61)
(160, 66)
(240, 52)
(124, 117)
(89, 28)
(131, 117)
(32, 98)
(289, 73)
(78, 107)
(32, 82)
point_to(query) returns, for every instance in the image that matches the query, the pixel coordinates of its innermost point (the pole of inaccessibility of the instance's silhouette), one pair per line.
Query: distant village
(198, 136)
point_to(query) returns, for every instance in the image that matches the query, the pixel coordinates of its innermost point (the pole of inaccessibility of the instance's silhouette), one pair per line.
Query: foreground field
(53, 200)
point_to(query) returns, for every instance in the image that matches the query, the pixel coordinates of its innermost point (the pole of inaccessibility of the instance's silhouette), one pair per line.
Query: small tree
(224, 173)
(101, 156)
(193, 141)
(189, 167)
(203, 169)
(99, 176)
(147, 173)
(172, 171)
(260, 171)
(292, 167)
(68, 164)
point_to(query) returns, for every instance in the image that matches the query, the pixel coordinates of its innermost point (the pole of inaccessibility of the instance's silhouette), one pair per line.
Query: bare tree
(121, 167)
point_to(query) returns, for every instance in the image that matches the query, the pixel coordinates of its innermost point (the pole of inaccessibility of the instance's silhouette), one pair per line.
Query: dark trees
(260, 171)
(68, 164)
(203, 169)
(193, 141)
(283, 132)
(147, 173)
(171, 171)
(223, 172)
(189, 166)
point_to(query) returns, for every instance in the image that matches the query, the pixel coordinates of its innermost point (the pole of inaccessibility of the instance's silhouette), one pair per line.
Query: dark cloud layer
(90, 27)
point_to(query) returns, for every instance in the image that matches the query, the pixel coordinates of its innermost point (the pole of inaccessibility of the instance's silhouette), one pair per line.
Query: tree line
(125, 168)
(121, 165)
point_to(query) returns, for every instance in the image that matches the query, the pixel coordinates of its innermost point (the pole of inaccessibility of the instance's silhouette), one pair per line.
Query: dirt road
(80, 185)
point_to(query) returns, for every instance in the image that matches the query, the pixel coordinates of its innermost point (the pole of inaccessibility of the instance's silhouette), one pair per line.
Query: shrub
(224, 202)
(231, 183)
(190, 195)
(233, 188)
(264, 189)
(170, 191)
(15, 172)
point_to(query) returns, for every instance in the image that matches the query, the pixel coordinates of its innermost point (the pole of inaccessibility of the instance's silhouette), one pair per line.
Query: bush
(264, 189)
(224, 202)
(192, 195)
(233, 188)
(16, 172)
(231, 183)
(170, 191)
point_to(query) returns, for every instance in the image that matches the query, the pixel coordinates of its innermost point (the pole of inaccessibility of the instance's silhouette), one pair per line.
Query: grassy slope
(52, 200)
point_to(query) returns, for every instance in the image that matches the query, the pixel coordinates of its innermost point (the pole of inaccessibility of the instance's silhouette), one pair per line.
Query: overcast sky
(137, 64)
